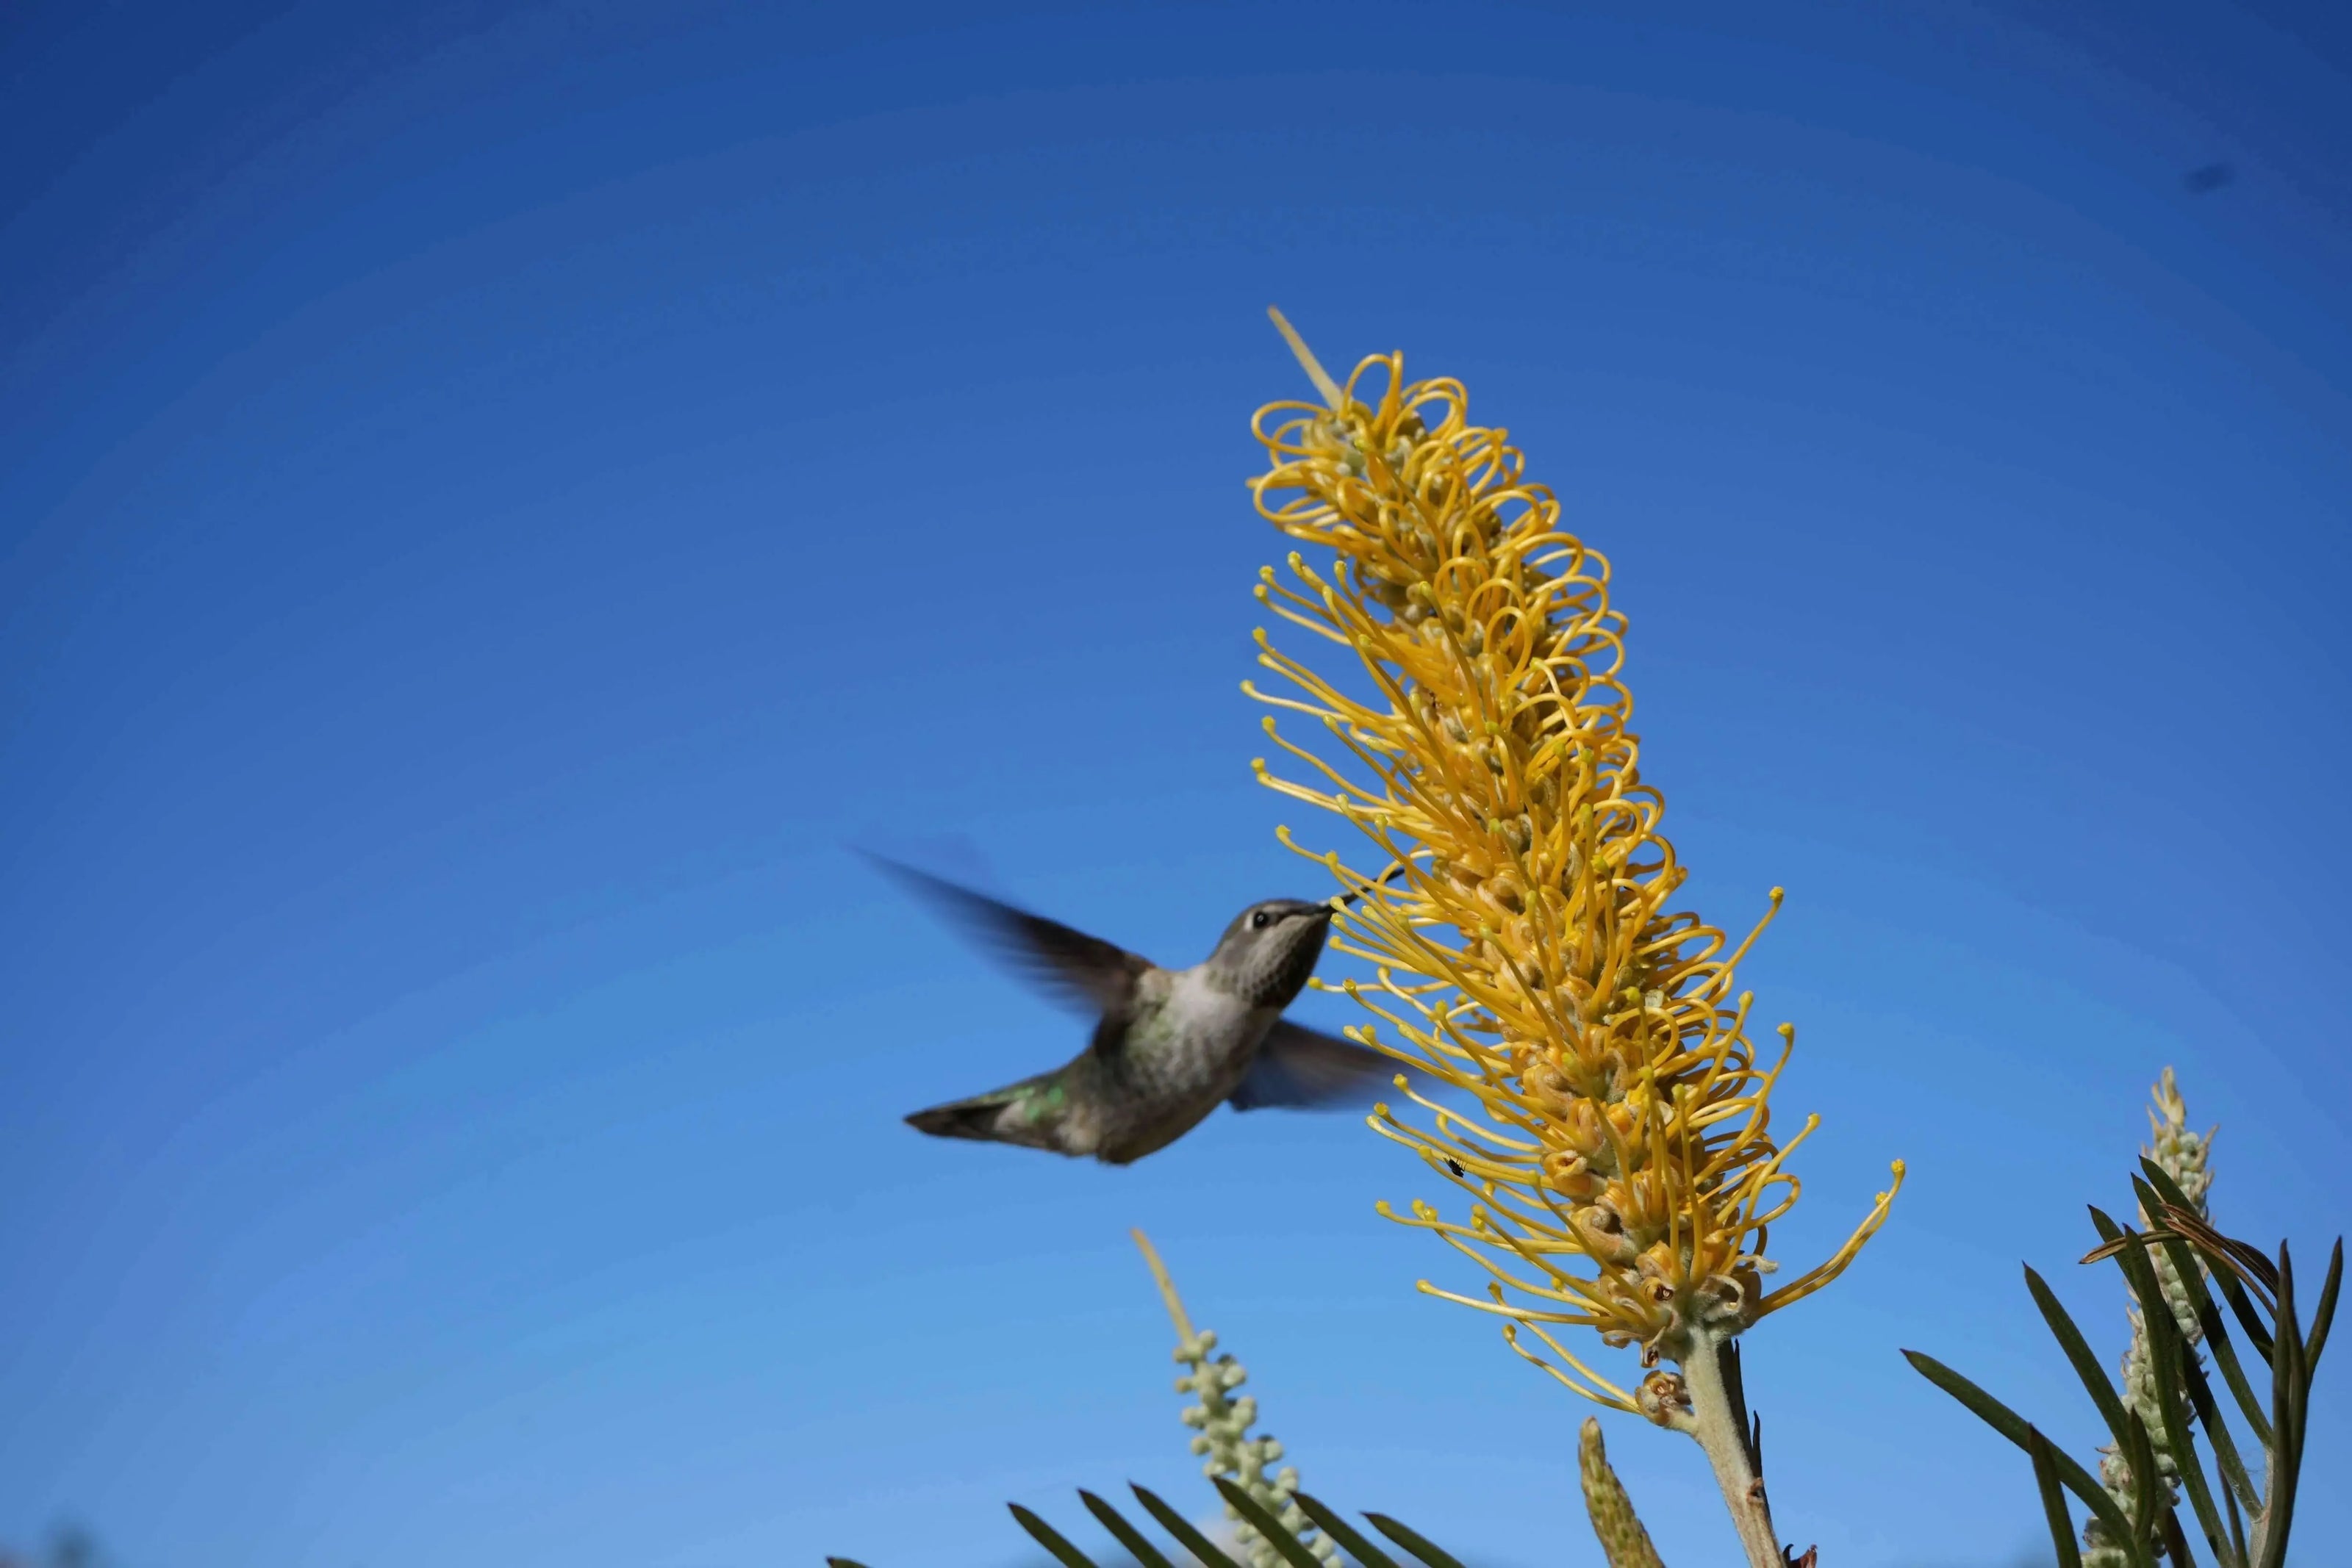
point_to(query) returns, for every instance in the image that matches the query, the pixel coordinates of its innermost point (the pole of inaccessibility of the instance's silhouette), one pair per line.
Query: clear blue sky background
(496, 499)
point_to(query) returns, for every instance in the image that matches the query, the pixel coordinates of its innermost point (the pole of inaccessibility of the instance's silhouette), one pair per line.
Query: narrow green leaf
(2086, 1365)
(2242, 1308)
(2229, 1552)
(2139, 1453)
(2133, 1441)
(1177, 1525)
(2225, 1268)
(2290, 1384)
(2165, 1188)
(2325, 1313)
(2053, 1499)
(1139, 1545)
(1411, 1539)
(2186, 1264)
(1050, 1539)
(1262, 1520)
(2216, 1430)
(2167, 1352)
(2236, 1481)
(2190, 1376)
(2174, 1212)
(1351, 1539)
(2012, 1426)
(2176, 1545)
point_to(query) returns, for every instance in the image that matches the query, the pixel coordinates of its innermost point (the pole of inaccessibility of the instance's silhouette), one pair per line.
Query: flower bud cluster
(1222, 1424)
(2186, 1157)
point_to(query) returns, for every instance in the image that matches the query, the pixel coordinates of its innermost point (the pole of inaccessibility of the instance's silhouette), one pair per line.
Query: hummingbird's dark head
(1269, 950)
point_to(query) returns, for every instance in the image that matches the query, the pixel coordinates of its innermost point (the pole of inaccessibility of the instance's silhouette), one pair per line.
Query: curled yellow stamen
(1525, 955)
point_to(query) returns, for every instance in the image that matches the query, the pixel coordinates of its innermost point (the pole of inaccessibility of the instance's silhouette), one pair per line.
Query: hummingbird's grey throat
(1267, 953)
(1170, 1045)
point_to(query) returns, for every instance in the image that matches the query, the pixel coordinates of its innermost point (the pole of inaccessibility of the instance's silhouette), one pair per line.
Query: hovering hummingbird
(1169, 1044)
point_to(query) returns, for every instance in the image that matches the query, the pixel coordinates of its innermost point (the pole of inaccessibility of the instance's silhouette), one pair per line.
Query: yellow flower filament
(1525, 955)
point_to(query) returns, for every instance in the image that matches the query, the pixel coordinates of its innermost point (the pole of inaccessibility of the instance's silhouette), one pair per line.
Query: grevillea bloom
(1619, 1166)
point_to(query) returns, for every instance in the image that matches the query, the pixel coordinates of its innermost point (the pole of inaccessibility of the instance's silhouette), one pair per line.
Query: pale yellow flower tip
(1306, 360)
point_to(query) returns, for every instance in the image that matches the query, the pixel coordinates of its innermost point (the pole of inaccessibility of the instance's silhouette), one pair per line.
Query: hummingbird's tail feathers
(964, 1119)
(1018, 1114)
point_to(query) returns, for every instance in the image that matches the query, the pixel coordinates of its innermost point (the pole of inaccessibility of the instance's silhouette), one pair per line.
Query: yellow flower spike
(1522, 945)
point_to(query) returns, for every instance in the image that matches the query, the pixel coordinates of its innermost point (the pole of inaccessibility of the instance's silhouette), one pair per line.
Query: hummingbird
(1170, 1045)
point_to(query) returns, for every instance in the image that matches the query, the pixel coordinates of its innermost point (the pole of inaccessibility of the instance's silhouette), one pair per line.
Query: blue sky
(497, 499)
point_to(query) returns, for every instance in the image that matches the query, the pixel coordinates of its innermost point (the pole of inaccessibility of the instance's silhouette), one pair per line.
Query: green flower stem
(1716, 1423)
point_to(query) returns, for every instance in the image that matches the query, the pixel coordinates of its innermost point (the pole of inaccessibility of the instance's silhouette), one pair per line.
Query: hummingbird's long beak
(1345, 899)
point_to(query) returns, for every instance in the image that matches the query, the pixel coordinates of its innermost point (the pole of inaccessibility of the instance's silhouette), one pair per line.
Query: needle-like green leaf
(1177, 1525)
(1412, 1541)
(2290, 1384)
(1254, 1513)
(2053, 1499)
(2227, 1266)
(2078, 1352)
(2190, 1376)
(1139, 1545)
(2176, 1545)
(1050, 1539)
(2013, 1427)
(1350, 1540)
(2190, 1271)
(2167, 1353)
(2325, 1313)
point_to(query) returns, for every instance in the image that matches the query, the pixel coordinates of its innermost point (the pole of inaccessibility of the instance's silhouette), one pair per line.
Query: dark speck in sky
(2210, 177)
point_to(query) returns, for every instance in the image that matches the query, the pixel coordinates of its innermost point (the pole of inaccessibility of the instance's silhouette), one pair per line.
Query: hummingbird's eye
(1258, 918)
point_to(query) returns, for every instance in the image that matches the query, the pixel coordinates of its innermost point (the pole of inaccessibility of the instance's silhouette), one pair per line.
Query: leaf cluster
(1205, 1551)
(2244, 1520)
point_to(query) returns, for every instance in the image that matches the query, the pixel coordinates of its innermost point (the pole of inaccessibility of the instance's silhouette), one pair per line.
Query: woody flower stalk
(1619, 1168)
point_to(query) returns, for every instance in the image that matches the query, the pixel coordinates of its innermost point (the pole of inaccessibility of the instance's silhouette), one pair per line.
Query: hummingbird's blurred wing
(1076, 966)
(1298, 1068)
